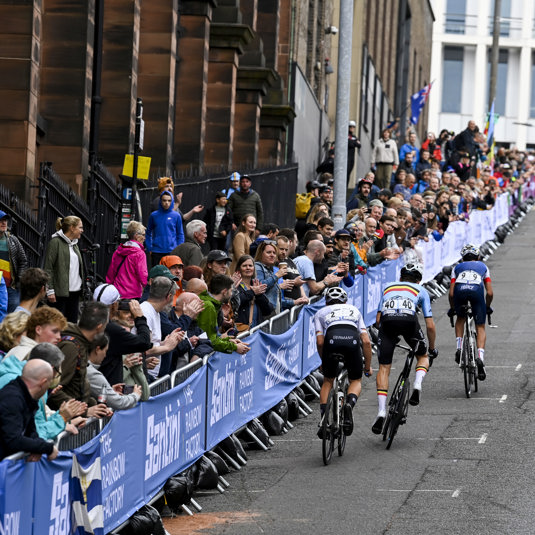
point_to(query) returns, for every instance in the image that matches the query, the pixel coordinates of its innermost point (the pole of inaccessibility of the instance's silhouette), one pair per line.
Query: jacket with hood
(57, 262)
(164, 229)
(128, 270)
(17, 259)
(47, 427)
(242, 203)
(76, 347)
(23, 349)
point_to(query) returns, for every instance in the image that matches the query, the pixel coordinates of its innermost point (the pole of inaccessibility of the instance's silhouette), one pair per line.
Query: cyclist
(397, 317)
(340, 329)
(469, 280)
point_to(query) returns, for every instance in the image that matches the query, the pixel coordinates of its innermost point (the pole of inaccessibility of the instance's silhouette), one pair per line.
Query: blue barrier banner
(17, 497)
(122, 446)
(355, 294)
(173, 432)
(281, 370)
(231, 391)
(311, 358)
(373, 287)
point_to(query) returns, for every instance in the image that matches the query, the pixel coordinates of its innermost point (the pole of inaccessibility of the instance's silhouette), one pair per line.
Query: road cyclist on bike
(470, 280)
(340, 329)
(397, 316)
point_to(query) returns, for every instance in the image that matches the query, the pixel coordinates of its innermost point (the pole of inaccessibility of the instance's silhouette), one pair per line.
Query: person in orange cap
(175, 265)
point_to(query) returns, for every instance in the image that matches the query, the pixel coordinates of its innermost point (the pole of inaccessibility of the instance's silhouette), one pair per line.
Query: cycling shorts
(463, 294)
(343, 340)
(392, 329)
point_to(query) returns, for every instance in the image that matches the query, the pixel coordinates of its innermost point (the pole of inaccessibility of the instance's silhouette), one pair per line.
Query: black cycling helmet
(413, 269)
(469, 252)
(336, 294)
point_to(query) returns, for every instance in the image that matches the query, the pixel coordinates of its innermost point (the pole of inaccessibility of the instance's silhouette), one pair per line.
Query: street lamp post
(138, 146)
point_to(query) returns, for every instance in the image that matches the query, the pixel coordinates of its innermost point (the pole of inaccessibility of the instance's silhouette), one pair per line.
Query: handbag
(241, 327)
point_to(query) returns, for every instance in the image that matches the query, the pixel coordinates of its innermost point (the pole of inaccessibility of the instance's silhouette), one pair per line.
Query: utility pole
(342, 113)
(138, 146)
(494, 53)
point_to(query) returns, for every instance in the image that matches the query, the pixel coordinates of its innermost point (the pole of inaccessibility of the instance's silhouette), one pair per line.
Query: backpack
(302, 204)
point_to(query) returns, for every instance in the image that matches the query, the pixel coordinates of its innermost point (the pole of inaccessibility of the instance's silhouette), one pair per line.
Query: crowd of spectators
(187, 284)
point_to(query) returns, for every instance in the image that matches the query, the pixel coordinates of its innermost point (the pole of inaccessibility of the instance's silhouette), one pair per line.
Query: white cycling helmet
(414, 269)
(470, 249)
(335, 294)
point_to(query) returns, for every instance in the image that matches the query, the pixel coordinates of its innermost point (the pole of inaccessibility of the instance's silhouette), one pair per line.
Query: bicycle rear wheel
(344, 383)
(399, 413)
(327, 443)
(467, 366)
(474, 353)
(391, 407)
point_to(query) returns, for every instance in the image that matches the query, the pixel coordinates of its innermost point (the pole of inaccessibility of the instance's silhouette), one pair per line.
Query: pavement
(459, 466)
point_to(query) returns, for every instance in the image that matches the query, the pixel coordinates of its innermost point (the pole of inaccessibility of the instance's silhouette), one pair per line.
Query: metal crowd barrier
(161, 385)
(280, 323)
(67, 441)
(180, 375)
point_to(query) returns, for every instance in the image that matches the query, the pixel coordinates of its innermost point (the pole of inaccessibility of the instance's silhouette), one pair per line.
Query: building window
(501, 81)
(456, 16)
(452, 79)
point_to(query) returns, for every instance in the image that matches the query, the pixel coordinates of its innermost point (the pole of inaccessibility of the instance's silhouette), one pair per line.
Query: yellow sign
(143, 166)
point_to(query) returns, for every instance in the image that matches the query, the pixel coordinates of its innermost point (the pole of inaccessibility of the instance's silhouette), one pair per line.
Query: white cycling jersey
(340, 314)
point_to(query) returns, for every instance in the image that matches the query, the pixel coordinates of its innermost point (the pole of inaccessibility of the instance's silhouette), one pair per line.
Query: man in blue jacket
(164, 229)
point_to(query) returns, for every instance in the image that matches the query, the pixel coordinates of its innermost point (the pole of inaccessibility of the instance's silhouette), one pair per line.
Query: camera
(124, 304)
(128, 389)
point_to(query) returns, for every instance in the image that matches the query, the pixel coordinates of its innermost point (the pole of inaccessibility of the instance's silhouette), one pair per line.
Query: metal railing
(67, 441)
(180, 375)
(280, 323)
(161, 385)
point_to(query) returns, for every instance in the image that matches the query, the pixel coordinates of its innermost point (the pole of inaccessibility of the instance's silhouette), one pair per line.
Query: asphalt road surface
(459, 466)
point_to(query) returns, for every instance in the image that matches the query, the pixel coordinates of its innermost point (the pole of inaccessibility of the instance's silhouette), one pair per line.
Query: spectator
(360, 247)
(314, 253)
(269, 232)
(176, 267)
(294, 291)
(267, 273)
(217, 262)
(246, 201)
(128, 267)
(33, 284)
(423, 182)
(44, 325)
(191, 272)
(18, 405)
(254, 306)
(424, 163)
(430, 144)
(363, 197)
(404, 186)
(407, 163)
(220, 292)
(243, 238)
(76, 345)
(63, 263)
(219, 223)
(99, 385)
(162, 291)
(293, 242)
(376, 209)
(12, 329)
(352, 144)
(410, 146)
(164, 229)
(384, 159)
(197, 286)
(327, 165)
(165, 183)
(462, 167)
(234, 179)
(326, 196)
(465, 140)
(326, 227)
(13, 262)
(374, 257)
(342, 258)
(48, 424)
(388, 240)
(190, 251)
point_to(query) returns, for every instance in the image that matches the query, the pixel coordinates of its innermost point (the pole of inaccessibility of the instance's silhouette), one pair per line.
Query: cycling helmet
(335, 294)
(413, 269)
(470, 250)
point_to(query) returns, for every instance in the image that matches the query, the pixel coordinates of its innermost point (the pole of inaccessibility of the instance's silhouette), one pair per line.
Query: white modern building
(460, 68)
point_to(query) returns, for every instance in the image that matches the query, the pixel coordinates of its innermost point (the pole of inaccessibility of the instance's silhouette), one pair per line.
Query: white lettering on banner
(105, 444)
(162, 444)
(223, 395)
(246, 402)
(114, 502)
(11, 524)
(246, 378)
(374, 294)
(59, 507)
(193, 446)
(193, 418)
(113, 470)
(311, 338)
(188, 394)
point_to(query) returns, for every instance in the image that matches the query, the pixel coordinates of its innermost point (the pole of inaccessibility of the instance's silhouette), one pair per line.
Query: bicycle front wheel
(327, 443)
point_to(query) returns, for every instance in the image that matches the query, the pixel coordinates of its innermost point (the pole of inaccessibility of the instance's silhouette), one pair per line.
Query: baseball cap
(235, 176)
(342, 232)
(363, 181)
(171, 260)
(325, 188)
(161, 271)
(3, 215)
(217, 256)
(106, 293)
(247, 177)
(352, 123)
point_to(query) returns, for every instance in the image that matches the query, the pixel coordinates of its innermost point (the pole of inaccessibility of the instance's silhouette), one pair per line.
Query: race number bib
(469, 277)
(398, 305)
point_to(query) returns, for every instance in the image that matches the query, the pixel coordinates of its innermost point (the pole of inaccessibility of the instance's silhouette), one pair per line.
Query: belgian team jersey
(400, 299)
(341, 314)
(470, 275)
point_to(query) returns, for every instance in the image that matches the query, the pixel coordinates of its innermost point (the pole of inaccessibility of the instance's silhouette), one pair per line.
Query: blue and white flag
(418, 101)
(86, 491)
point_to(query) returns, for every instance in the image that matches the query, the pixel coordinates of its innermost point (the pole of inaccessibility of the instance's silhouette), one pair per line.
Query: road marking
(503, 398)
(518, 367)
(483, 438)
(450, 438)
(454, 493)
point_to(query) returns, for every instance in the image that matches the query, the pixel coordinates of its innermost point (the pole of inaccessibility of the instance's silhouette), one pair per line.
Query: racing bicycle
(398, 406)
(331, 423)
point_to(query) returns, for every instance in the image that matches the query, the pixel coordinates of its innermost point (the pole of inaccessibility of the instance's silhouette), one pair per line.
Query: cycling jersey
(341, 314)
(400, 300)
(469, 279)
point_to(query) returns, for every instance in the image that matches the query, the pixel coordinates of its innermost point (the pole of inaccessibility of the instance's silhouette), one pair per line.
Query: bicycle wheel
(467, 366)
(391, 407)
(327, 443)
(400, 413)
(344, 383)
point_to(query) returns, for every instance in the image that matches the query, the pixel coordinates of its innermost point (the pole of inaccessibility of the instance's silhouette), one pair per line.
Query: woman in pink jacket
(128, 268)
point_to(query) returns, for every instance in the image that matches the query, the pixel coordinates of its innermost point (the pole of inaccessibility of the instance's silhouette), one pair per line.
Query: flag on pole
(418, 101)
(489, 131)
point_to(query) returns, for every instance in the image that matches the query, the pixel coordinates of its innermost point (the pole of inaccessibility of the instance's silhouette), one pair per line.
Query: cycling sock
(459, 342)
(322, 408)
(481, 353)
(352, 399)
(381, 399)
(420, 374)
